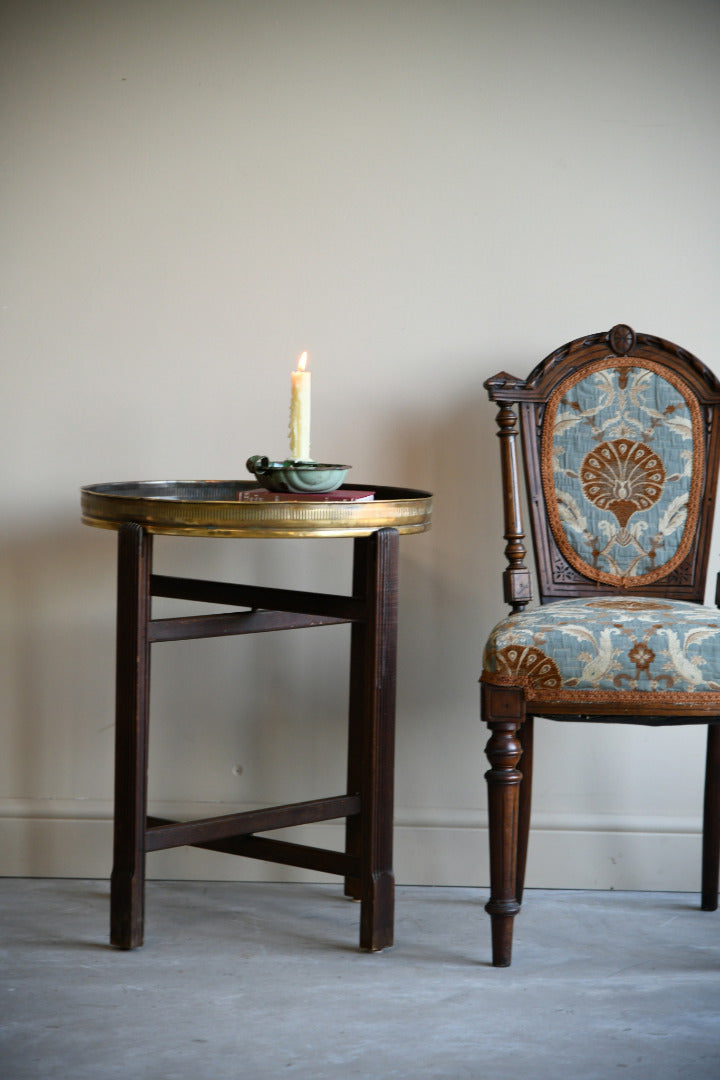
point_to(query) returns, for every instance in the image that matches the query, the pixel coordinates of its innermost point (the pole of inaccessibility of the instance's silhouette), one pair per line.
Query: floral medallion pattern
(633, 644)
(622, 464)
(623, 477)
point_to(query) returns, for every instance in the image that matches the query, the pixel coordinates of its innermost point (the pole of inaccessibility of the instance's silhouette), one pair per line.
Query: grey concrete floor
(264, 981)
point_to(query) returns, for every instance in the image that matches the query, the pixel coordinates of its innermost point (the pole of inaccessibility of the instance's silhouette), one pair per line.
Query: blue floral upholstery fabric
(608, 647)
(622, 465)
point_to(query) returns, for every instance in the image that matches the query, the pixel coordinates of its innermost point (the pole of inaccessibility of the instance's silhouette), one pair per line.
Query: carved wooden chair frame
(509, 709)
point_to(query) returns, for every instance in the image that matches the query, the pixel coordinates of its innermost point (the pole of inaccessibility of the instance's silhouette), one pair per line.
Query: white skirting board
(72, 839)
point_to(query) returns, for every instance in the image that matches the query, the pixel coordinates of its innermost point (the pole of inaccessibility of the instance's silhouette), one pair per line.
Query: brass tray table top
(212, 508)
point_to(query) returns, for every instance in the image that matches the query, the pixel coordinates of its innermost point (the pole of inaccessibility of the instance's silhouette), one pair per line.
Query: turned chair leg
(504, 711)
(711, 822)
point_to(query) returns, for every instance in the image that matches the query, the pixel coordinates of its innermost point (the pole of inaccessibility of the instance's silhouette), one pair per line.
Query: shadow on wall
(450, 595)
(451, 580)
(57, 617)
(256, 719)
(262, 718)
(232, 720)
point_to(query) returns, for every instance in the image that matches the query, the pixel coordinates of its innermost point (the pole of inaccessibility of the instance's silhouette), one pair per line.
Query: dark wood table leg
(127, 883)
(353, 825)
(373, 683)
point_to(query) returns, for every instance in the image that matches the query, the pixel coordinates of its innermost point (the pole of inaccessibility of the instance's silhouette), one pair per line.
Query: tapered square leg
(127, 883)
(356, 714)
(373, 681)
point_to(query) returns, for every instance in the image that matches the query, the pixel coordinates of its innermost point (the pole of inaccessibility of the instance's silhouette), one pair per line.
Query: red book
(258, 494)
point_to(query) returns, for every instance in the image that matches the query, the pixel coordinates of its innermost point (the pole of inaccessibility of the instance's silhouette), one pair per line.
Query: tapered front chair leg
(127, 883)
(711, 822)
(525, 734)
(503, 710)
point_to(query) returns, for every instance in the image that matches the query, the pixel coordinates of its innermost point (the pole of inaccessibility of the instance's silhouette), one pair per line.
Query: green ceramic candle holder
(297, 477)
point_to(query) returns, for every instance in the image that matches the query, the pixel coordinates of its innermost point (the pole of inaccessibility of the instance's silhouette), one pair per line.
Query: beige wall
(419, 194)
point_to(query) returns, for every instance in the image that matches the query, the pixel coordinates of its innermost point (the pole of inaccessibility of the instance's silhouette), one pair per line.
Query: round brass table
(212, 508)
(138, 511)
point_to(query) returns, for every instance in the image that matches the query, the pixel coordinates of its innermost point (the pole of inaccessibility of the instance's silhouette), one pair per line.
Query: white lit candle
(300, 412)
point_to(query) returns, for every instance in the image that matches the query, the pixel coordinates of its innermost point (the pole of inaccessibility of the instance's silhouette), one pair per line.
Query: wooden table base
(367, 804)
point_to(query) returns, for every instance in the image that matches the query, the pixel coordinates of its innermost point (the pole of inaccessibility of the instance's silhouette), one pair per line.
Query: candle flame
(302, 362)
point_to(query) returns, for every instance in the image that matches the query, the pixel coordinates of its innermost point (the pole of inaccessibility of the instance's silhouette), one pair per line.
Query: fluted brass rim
(211, 508)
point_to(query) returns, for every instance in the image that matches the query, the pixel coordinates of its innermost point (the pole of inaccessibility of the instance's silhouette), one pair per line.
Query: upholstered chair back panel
(622, 463)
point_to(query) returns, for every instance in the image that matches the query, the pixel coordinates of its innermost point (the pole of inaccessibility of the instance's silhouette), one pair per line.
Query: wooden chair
(620, 437)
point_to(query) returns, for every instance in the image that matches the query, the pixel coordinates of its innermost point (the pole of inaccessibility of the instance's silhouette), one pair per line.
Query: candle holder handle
(257, 463)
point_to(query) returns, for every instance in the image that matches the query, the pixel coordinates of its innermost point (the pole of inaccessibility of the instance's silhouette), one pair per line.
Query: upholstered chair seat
(610, 648)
